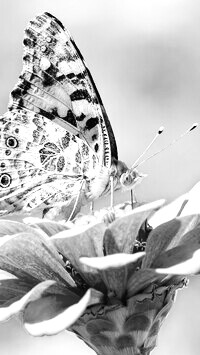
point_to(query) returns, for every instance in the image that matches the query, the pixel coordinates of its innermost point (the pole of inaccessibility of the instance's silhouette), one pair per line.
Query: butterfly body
(57, 147)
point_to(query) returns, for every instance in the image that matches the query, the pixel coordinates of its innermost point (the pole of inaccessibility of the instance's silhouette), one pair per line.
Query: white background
(144, 56)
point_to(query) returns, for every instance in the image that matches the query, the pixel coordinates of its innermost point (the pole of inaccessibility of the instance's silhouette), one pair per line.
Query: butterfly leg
(76, 202)
(133, 198)
(111, 192)
(92, 208)
(110, 215)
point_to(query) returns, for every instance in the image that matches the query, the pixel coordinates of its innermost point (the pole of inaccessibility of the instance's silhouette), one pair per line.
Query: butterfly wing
(56, 130)
(40, 162)
(56, 83)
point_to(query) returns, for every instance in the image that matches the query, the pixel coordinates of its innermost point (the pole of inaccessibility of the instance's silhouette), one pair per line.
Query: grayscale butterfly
(57, 147)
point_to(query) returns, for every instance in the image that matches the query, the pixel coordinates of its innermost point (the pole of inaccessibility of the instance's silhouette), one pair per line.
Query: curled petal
(48, 227)
(59, 322)
(84, 241)
(31, 256)
(168, 212)
(4, 275)
(11, 290)
(111, 261)
(149, 206)
(193, 201)
(188, 267)
(140, 280)
(9, 311)
(166, 236)
(121, 234)
(183, 259)
(12, 227)
(114, 269)
(184, 205)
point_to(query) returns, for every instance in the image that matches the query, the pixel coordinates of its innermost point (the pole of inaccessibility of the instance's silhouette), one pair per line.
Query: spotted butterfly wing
(56, 134)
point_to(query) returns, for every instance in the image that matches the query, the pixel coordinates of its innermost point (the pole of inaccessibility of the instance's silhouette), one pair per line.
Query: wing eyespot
(5, 180)
(11, 142)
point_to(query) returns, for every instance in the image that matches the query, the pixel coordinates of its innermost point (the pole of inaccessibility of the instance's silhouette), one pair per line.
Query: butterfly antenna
(195, 125)
(161, 129)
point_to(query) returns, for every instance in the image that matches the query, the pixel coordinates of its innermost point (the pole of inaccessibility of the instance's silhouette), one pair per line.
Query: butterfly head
(130, 178)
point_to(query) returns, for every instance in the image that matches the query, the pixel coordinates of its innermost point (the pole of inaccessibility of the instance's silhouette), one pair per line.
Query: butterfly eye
(5, 180)
(11, 142)
(126, 179)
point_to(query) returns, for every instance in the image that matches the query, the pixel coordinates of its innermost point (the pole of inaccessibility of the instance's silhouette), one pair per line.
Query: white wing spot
(43, 48)
(44, 63)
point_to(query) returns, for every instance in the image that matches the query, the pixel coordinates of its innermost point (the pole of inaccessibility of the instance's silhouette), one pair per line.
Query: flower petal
(8, 227)
(188, 267)
(14, 308)
(48, 227)
(166, 236)
(183, 259)
(32, 257)
(114, 270)
(168, 212)
(193, 201)
(86, 241)
(122, 233)
(59, 322)
(4, 275)
(140, 280)
(111, 261)
(184, 205)
(12, 289)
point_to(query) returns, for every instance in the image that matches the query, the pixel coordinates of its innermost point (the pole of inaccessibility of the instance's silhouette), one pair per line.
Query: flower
(112, 284)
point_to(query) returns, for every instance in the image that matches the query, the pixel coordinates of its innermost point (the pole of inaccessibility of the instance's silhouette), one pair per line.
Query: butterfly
(57, 148)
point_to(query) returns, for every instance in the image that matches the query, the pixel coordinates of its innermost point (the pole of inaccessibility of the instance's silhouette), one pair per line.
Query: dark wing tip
(55, 19)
